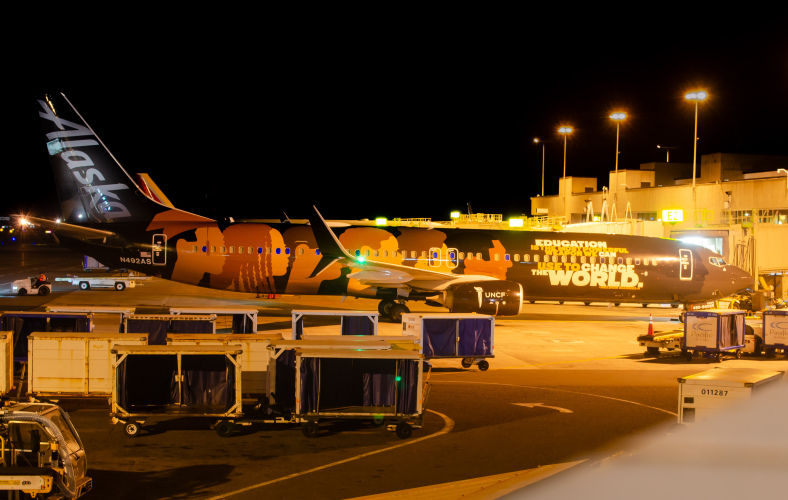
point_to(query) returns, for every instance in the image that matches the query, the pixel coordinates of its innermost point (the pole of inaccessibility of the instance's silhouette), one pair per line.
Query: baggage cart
(702, 394)
(23, 323)
(255, 357)
(350, 322)
(404, 342)
(6, 362)
(157, 326)
(242, 320)
(69, 364)
(386, 387)
(775, 331)
(670, 340)
(467, 336)
(713, 332)
(174, 380)
(122, 312)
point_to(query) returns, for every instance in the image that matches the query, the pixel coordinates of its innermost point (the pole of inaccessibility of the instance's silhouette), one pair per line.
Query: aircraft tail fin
(92, 185)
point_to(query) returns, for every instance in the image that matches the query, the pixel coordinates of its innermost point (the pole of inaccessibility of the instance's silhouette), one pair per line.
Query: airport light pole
(537, 141)
(696, 96)
(565, 131)
(617, 117)
(667, 150)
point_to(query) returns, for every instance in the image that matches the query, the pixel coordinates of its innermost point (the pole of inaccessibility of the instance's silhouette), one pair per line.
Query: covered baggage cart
(23, 323)
(467, 336)
(6, 362)
(68, 364)
(350, 322)
(387, 387)
(255, 358)
(157, 326)
(122, 312)
(775, 331)
(712, 333)
(174, 380)
(242, 320)
(702, 394)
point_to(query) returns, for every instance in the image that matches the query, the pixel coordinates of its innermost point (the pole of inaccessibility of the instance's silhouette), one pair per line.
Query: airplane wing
(71, 230)
(382, 274)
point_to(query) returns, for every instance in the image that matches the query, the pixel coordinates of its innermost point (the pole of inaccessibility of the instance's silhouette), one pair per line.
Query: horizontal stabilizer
(74, 231)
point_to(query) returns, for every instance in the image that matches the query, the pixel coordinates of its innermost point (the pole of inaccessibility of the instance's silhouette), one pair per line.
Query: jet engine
(496, 298)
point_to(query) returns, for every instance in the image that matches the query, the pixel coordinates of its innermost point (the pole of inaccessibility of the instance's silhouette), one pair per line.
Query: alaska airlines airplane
(106, 215)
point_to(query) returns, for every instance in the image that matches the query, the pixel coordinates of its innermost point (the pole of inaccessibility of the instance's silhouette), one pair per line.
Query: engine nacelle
(496, 298)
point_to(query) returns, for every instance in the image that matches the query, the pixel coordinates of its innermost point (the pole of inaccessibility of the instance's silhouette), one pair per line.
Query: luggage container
(350, 322)
(157, 326)
(775, 331)
(122, 312)
(702, 394)
(6, 362)
(174, 380)
(712, 333)
(255, 357)
(22, 323)
(242, 320)
(65, 364)
(387, 387)
(467, 336)
(402, 342)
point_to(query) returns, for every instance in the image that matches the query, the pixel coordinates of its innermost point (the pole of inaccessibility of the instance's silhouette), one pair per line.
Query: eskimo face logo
(69, 142)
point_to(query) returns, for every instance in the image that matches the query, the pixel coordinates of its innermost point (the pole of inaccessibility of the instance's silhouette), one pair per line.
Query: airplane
(106, 215)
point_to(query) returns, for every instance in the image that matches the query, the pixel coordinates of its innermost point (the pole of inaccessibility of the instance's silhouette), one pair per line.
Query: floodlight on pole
(565, 131)
(667, 150)
(696, 96)
(537, 141)
(617, 117)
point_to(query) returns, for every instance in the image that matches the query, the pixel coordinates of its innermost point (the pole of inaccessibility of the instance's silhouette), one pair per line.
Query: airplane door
(159, 252)
(685, 264)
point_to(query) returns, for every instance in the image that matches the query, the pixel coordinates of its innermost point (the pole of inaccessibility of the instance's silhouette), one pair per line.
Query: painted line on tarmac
(561, 390)
(449, 425)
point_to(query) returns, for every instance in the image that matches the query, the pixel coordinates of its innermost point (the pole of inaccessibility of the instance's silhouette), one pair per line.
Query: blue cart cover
(475, 337)
(440, 337)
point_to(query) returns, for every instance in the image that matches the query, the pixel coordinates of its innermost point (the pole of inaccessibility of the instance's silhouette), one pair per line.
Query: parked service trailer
(122, 312)
(119, 283)
(702, 394)
(174, 380)
(467, 336)
(351, 322)
(244, 320)
(157, 326)
(65, 364)
(670, 340)
(22, 323)
(712, 333)
(255, 357)
(775, 331)
(6, 362)
(386, 387)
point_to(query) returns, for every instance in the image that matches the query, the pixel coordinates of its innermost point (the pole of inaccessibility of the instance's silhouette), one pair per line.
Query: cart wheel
(738, 354)
(225, 429)
(84, 285)
(770, 352)
(310, 429)
(483, 365)
(378, 420)
(403, 430)
(688, 355)
(119, 286)
(718, 357)
(466, 362)
(652, 351)
(132, 429)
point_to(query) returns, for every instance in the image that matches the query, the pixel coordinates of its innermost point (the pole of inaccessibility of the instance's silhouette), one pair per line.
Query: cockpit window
(717, 261)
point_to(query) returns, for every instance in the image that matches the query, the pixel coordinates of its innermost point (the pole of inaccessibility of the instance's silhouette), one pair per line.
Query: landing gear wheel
(403, 430)
(310, 429)
(385, 307)
(483, 365)
(132, 429)
(84, 285)
(225, 429)
(466, 362)
(119, 286)
(396, 312)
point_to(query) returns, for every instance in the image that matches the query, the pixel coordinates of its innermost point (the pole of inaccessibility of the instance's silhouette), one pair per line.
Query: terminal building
(738, 206)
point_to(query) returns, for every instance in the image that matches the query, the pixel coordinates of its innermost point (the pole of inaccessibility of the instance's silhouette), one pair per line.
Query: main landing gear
(392, 310)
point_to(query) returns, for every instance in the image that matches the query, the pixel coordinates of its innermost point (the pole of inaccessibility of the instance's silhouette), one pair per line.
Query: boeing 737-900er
(108, 217)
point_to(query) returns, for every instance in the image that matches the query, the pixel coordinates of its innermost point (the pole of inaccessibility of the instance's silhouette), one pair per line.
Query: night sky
(405, 122)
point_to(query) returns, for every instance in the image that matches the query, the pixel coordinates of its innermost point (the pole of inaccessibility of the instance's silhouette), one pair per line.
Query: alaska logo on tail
(109, 217)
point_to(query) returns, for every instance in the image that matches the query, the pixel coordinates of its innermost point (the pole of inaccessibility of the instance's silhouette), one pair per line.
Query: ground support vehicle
(69, 364)
(702, 394)
(243, 320)
(351, 322)
(712, 333)
(174, 380)
(42, 455)
(119, 283)
(453, 335)
(670, 340)
(254, 360)
(775, 332)
(31, 286)
(382, 387)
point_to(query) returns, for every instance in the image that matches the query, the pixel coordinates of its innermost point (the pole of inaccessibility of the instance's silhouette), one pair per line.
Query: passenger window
(259, 250)
(232, 249)
(479, 256)
(240, 249)
(517, 257)
(563, 259)
(470, 256)
(629, 261)
(194, 248)
(592, 260)
(527, 257)
(204, 249)
(223, 249)
(536, 258)
(601, 260)
(653, 262)
(637, 262)
(213, 249)
(621, 260)
(497, 257)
